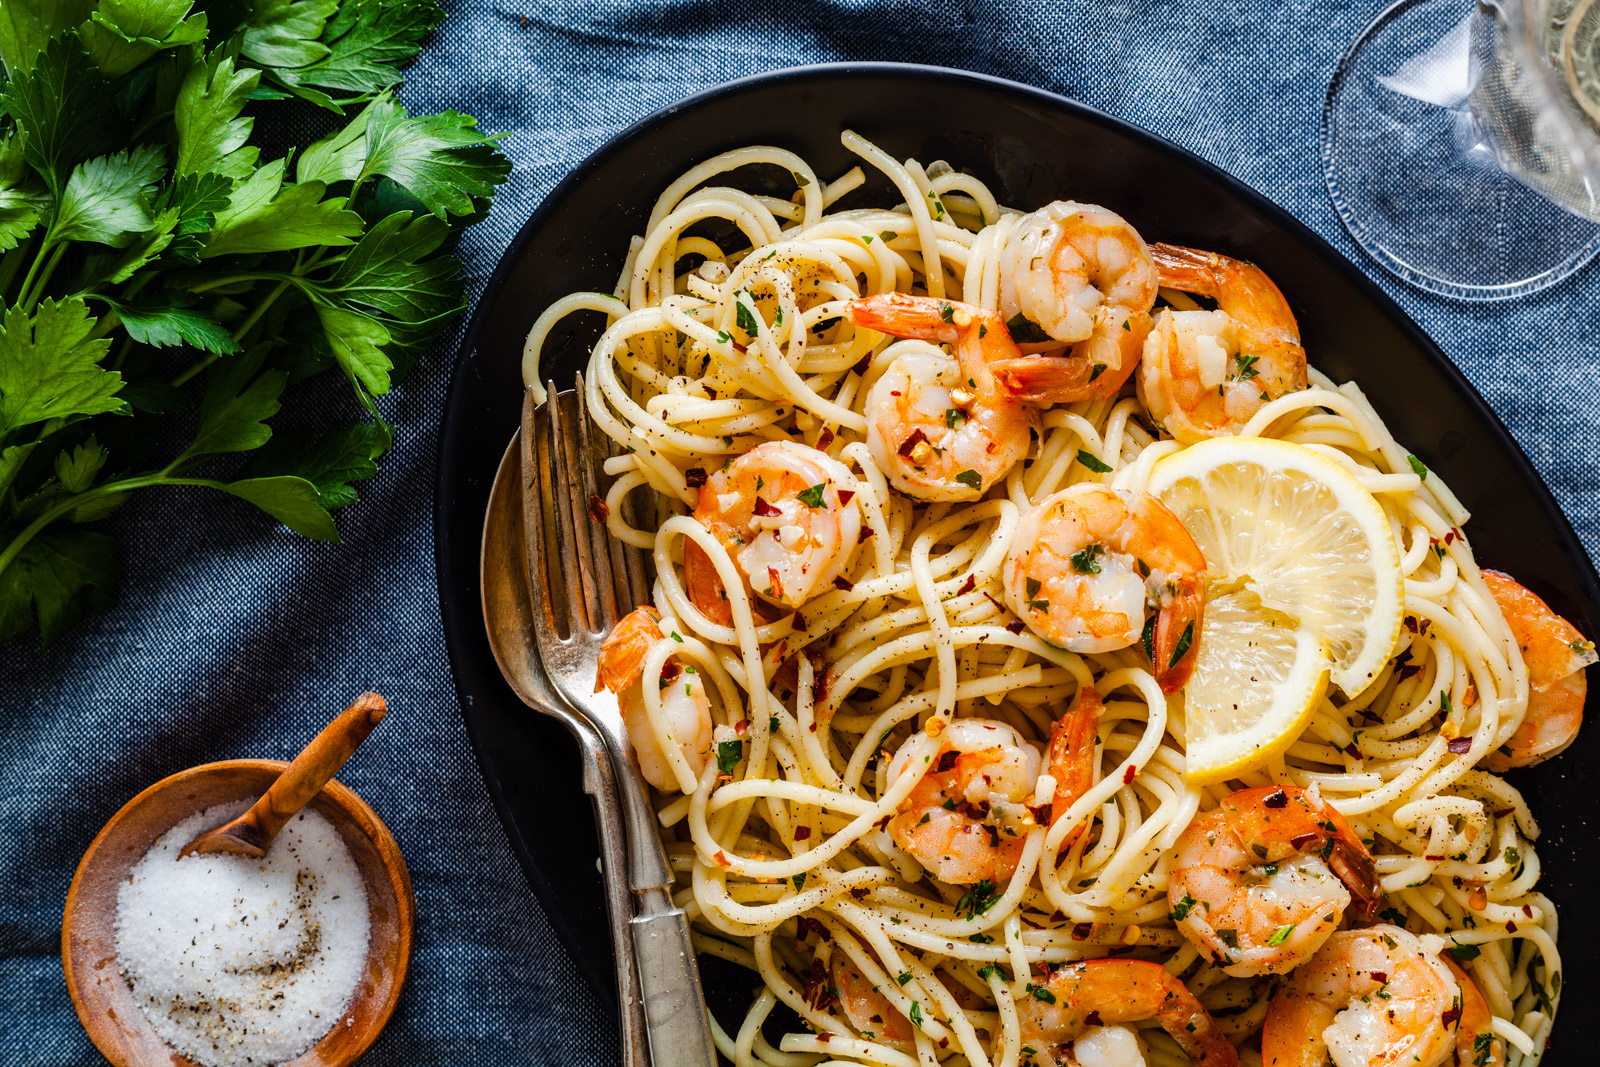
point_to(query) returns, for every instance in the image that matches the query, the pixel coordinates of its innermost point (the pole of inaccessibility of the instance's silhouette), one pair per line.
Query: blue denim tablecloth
(232, 638)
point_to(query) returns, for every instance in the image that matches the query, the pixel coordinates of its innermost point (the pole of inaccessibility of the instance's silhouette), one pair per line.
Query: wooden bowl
(106, 1005)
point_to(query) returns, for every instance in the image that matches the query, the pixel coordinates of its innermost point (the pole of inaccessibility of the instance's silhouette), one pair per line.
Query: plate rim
(453, 615)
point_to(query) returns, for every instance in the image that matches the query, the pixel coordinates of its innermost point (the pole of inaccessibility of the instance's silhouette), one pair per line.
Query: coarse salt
(240, 962)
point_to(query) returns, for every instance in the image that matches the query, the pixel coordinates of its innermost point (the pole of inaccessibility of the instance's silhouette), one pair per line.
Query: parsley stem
(238, 335)
(19, 542)
(33, 285)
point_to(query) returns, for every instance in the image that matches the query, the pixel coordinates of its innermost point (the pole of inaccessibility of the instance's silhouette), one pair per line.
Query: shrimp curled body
(1555, 654)
(685, 706)
(1087, 560)
(1260, 883)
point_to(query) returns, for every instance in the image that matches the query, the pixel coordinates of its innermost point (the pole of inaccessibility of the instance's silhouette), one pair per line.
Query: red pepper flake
(1527, 910)
(797, 621)
(670, 671)
(1433, 858)
(1058, 916)
(775, 583)
(801, 833)
(968, 586)
(741, 727)
(1129, 774)
(1352, 751)
(1451, 535)
(947, 761)
(944, 1042)
(1014, 626)
(1511, 927)
(694, 477)
(821, 682)
(844, 583)
(1082, 931)
(1380, 976)
(765, 509)
(917, 437)
(1460, 746)
(824, 439)
(1447, 1018)
(1299, 842)
(807, 925)
(1093, 1019)
(1503, 812)
(866, 532)
(1407, 670)
(860, 892)
(1041, 814)
(599, 510)
(721, 859)
(1411, 624)
(1279, 799)
(818, 993)
(710, 392)
(845, 496)
(862, 364)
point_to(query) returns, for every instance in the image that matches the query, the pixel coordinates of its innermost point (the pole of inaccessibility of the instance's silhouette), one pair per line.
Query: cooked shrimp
(1071, 755)
(1205, 373)
(872, 1013)
(685, 706)
(1368, 998)
(786, 514)
(937, 426)
(1087, 560)
(1076, 274)
(1107, 992)
(1476, 1043)
(1555, 654)
(967, 819)
(1258, 884)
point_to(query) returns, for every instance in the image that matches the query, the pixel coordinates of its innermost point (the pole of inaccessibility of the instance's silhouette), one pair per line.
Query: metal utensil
(584, 581)
(508, 616)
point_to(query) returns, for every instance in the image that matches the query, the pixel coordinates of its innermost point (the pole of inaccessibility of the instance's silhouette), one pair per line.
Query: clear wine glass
(1461, 143)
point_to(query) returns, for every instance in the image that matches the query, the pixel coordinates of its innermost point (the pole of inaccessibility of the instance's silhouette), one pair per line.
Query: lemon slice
(1305, 587)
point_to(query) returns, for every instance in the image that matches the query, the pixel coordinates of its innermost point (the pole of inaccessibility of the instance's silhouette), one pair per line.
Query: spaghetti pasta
(729, 331)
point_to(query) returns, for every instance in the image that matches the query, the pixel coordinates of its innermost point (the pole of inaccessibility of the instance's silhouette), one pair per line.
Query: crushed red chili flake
(817, 992)
(968, 586)
(1093, 1019)
(1130, 774)
(1451, 535)
(844, 583)
(1299, 842)
(845, 496)
(1058, 916)
(1501, 813)
(710, 392)
(860, 892)
(741, 727)
(801, 833)
(1527, 910)
(944, 1042)
(1447, 1018)
(670, 671)
(866, 532)
(862, 364)
(1407, 670)
(1460, 746)
(805, 924)
(1014, 626)
(1082, 931)
(1352, 751)
(775, 583)
(820, 683)
(824, 439)
(1041, 814)
(599, 510)
(947, 761)
(694, 477)
(798, 622)
(1380, 976)
(1511, 927)
(721, 859)
(1279, 799)
(917, 437)
(1434, 858)
(764, 509)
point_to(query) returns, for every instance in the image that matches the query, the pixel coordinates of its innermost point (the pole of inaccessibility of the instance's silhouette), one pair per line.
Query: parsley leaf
(62, 575)
(49, 366)
(1093, 462)
(264, 215)
(166, 325)
(729, 753)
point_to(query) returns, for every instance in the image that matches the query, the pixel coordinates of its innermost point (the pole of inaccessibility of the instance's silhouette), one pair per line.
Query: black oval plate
(1031, 147)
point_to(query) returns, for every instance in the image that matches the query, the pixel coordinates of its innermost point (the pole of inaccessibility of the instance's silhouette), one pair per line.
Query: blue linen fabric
(233, 638)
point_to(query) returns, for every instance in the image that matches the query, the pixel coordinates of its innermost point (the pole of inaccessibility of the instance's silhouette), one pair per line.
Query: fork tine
(537, 522)
(577, 481)
(568, 558)
(602, 547)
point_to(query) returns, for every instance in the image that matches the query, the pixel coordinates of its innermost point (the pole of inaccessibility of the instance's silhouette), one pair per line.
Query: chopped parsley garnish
(1247, 368)
(947, 311)
(1024, 331)
(800, 180)
(1393, 915)
(1087, 559)
(903, 977)
(1417, 467)
(1185, 639)
(977, 900)
(888, 235)
(1512, 856)
(723, 337)
(1463, 953)
(1229, 937)
(970, 478)
(1040, 993)
(1032, 586)
(812, 497)
(916, 1014)
(747, 320)
(1039, 605)
(729, 753)
(954, 418)
(1147, 639)
(1093, 462)
(988, 971)
(799, 881)
(1180, 910)
(980, 939)
(1281, 934)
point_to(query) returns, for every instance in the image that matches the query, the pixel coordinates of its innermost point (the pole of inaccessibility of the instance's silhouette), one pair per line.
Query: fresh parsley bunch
(163, 279)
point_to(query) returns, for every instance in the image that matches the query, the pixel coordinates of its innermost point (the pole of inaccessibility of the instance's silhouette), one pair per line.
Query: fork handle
(669, 982)
(600, 782)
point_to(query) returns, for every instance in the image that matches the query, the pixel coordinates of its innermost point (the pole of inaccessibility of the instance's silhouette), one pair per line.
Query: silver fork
(583, 582)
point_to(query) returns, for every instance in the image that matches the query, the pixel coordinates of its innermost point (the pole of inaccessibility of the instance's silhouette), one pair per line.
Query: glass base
(1412, 179)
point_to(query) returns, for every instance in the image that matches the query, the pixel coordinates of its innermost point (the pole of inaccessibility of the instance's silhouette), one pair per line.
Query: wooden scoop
(251, 834)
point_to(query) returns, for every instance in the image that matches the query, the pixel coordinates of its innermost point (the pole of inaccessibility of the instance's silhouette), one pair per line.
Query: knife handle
(669, 984)
(599, 781)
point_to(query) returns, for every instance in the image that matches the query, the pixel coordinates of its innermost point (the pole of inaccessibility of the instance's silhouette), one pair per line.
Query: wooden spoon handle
(312, 769)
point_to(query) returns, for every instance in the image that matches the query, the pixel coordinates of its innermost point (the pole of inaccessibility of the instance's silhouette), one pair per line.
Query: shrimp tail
(1176, 643)
(1353, 866)
(704, 586)
(1071, 756)
(622, 652)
